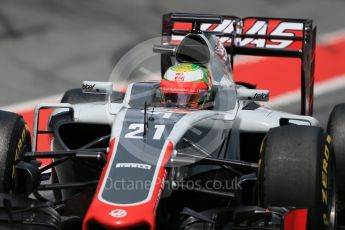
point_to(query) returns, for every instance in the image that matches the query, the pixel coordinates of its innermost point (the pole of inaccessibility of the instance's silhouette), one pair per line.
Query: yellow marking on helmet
(185, 67)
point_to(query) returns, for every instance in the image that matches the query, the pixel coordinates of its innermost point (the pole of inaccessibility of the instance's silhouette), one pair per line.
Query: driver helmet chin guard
(186, 85)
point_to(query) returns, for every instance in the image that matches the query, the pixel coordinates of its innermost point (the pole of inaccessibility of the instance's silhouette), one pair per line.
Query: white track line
(285, 99)
(331, 37)
(321, 88)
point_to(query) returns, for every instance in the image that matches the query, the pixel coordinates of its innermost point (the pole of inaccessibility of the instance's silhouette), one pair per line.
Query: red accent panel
(135, 215)
(296, 220)
(44, 140)
(212, 27)
(182, 26)
(248, 23)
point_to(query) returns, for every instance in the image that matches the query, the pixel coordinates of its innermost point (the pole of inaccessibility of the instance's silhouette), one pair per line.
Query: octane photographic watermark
(187, 185)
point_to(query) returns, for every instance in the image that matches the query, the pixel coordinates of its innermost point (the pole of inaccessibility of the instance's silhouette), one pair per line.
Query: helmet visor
(184, 100)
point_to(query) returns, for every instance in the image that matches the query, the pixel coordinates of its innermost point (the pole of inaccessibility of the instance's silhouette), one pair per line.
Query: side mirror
(165, 49)
(97, 87)
(253, 94)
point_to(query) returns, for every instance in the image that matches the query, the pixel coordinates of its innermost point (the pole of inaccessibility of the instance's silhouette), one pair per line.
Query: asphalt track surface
(47, 47)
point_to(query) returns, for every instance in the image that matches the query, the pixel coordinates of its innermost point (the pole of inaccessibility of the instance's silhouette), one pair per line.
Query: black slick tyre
(297, 170)
(336, 129)
(14, 141)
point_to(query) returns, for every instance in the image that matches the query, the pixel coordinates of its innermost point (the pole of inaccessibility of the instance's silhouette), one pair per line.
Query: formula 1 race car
(194, 150)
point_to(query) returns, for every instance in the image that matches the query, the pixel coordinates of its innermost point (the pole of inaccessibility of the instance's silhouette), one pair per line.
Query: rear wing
(258, 36)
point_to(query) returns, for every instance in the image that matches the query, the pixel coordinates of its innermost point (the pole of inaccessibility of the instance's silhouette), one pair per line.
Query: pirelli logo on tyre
(324, 178)
(20, 147)
(21, 143)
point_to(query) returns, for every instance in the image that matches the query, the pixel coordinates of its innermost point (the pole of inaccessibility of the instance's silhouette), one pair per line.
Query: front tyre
(297, 169)
(14, 141)
(336, 129)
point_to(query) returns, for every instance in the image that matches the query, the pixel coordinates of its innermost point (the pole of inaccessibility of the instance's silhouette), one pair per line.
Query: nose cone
(118, 217)
(105, 212)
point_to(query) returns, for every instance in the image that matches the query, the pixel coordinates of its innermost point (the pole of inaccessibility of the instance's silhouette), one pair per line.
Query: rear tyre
(297, 169)
(336, 129)
(14, 141)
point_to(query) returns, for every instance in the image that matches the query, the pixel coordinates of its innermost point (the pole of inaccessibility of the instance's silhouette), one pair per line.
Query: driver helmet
(186, 85)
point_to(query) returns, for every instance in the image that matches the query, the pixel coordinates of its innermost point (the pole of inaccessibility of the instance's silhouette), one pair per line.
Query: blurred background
(49, 46)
